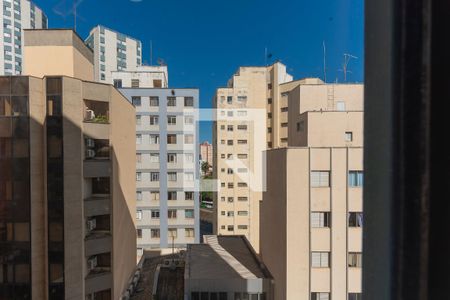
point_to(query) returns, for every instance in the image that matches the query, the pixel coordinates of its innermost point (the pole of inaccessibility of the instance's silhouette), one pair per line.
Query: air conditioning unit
(90, 143)
(91, 224)
(92, 262)
(89, 115)
(90, 153)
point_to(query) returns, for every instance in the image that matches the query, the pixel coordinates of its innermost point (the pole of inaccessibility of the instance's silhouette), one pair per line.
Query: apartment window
(171, 157)
(189, 157)
(138, 120)
(222, 184)
(222, 227)
(188, 101)
(242, 113)
(283, 140)
(136, 100)
(154, 139)
(171, 101)
(301, 126)
(188, 120)
(320, 259)
(320, 178)
(189, 176)
(222, 127)
(242, 198)
(154, 101)
(172, 195)
(139, 196)
(172, 233)
(354, 296)
(269, 101)
(154, 120)
(230, 128)
(138, 139)
(230, 142)
(155, 213)
(320, 296)
(242, 99)
(269, 86)
(118, 83)
(269, 144)
(134, 83)
(284, 124)
(222, 199)
(229, 156)
(171, 120)
(139, 215)
(223, 213)
(355, 260)
(355, 178)
(154, 157)
(242, 142)
(189, 232)
(284, 109)
(230, 99)
(242, 227)
(242, 170)
(222, 170)
(154, 233)
(242, 156)
(154, 176)
(171, 139)
(154, 196)
(230, 185)
(138, 176)
(189, 139)
(222, 155)
(172, 176)
(242, 184)
(230, 228)
(172, 213)
(229, 171)
(188, 195)
(230, 214)
(355, 219)
(320, 219)
(189, 213)
(348, 136)
(269, 115)
(242, 213)
(139, 233)
(340, 106)
(242, 127)
(230, 113)
(230, 199)
(157, 83)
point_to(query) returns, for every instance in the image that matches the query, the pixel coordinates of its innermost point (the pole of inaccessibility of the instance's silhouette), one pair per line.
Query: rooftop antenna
(344, 69)
(265, 56)
(151, 52)
(324, 63)
(74, 16)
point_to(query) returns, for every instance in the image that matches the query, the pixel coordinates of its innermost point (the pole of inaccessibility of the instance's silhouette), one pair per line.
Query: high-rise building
(15, 16)
(67, 189)
(206, 152)
(167, 174)
(312, 214)
(245, 111)
(113, 51)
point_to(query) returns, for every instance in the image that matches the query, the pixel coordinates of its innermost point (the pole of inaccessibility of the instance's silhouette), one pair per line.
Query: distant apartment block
(167, 173)
(312, 214)
(206, 153)
(113, 51)
(252, 90)
(142, 77)
(66, 183)
(15, 16)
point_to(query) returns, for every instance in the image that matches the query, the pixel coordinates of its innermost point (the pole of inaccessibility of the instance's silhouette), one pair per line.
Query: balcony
(96, 112)
(97, 205)
(98, 280)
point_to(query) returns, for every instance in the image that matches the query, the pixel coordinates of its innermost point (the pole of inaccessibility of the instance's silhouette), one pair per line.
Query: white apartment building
(142, 77)
(113, 51)
(15, 16)
(167, 173)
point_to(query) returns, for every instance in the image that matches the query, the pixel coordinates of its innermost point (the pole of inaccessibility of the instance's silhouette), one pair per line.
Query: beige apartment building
(206, 152)
(311, 213)
(67, 176)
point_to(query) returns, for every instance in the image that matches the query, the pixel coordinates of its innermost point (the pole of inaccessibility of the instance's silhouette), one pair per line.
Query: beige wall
(123, 141)
(288, 202)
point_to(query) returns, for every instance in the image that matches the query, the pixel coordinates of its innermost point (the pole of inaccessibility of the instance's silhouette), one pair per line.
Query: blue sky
(205, 41)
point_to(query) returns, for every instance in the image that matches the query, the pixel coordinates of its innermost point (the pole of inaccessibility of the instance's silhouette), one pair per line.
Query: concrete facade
(206, 152)
(81, 188)
(15, 16)
(113, 51)
(313, 242)
(142, 77)
(167, 175)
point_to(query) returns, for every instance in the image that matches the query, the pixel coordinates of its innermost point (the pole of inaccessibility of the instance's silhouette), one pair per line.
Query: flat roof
(224, 257)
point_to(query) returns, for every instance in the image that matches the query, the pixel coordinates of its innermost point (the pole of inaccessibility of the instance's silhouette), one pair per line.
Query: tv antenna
(324, 63)
(344, 69)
